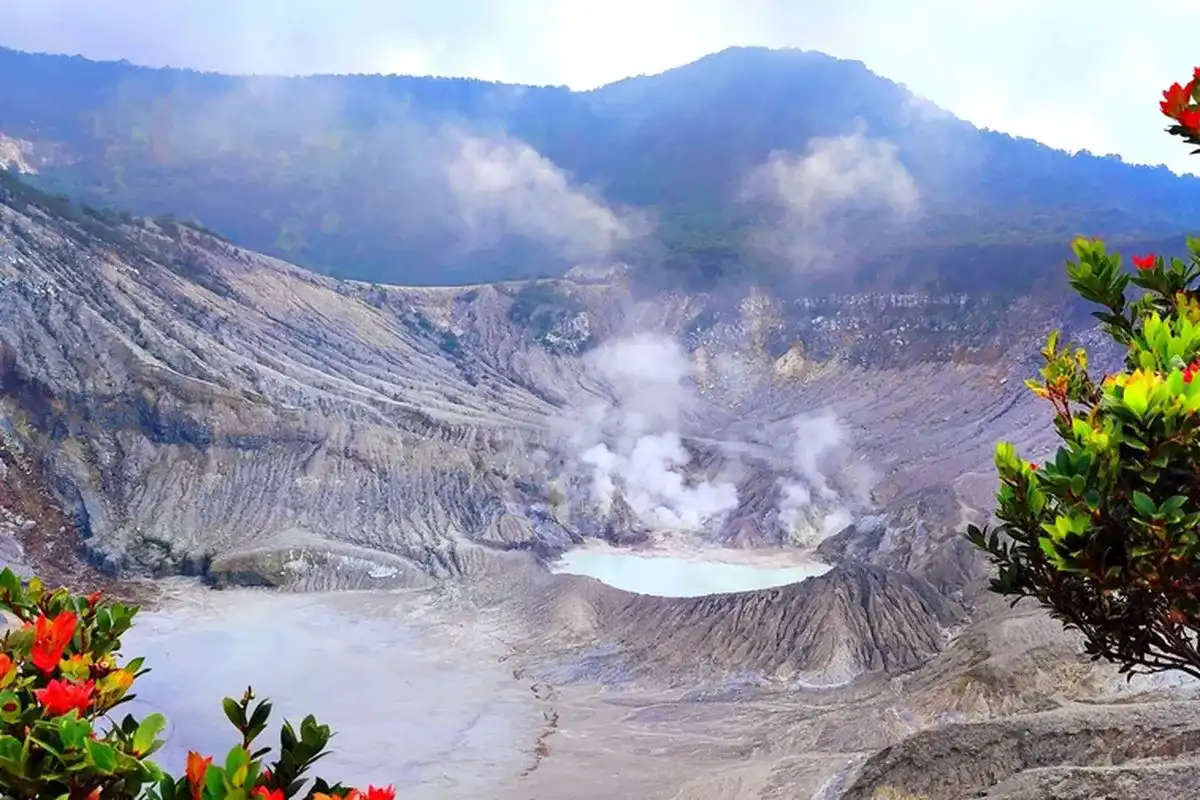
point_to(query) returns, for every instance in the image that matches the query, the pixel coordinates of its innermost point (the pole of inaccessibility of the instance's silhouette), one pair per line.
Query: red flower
(1175, 100)
(59, 697)
(1144, 262)
(268, 794)
(1190, 371)
(51, 638)
(376, 793)
(1190, 119)
(93, 599)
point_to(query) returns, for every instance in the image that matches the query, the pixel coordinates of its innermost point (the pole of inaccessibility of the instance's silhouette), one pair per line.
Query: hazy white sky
(1072, 73)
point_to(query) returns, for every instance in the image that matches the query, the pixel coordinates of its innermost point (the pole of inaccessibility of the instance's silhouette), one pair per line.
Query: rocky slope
(194, 404)
(1115, 753)
(170, 403)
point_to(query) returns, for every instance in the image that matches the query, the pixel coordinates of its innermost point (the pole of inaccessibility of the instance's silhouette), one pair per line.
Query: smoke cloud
(632, 446)
(822, 196)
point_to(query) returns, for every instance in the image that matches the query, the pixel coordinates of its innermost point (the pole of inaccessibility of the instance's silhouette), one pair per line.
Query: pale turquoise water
(672, 576)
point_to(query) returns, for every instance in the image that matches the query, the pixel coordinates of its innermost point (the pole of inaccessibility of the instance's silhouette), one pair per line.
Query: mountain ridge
(406, 180)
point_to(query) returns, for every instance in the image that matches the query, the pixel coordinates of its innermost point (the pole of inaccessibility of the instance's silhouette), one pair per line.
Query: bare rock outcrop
(193, 404)
(826, 630)
(1010, 758)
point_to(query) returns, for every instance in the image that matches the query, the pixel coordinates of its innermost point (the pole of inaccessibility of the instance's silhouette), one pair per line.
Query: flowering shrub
(1182, 105)
(61, 678)
(1106, 535)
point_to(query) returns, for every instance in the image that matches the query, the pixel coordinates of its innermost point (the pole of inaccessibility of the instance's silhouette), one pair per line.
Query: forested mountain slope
(707, 171)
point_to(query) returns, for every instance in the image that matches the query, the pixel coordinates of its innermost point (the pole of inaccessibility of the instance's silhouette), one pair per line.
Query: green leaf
(237, 764)
(147, 732)
(166, 788)
(287, 737)
(1173, 505)
(1137, 398)
(1143, 504)
(234, 712)
(261, 714)
(102, 756)
(12, 753)
(1048, 549)
(73, 730)
(10, 587)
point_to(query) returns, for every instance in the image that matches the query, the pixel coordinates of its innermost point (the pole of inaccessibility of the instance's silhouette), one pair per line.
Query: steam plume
(818, 499)
(632, 445)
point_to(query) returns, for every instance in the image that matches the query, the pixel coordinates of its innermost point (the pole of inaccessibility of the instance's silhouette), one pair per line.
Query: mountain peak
(422, 180)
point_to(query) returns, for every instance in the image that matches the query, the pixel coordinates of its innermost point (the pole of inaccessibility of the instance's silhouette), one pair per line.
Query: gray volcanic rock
(826, 630)
(958, 761)
(1150, 779)
(170, 404)
(921, 534)
(199, 407)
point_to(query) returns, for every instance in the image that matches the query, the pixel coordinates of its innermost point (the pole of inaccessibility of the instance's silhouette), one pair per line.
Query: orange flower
(59, 697)
(7, 669)
(197, 765)
(1144, 262)
(372, 793)
(268, 794)
(51, 638)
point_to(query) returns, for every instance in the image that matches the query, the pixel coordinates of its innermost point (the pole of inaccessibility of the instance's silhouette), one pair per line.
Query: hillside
(171, 403)
(157, 373)
(448, 181)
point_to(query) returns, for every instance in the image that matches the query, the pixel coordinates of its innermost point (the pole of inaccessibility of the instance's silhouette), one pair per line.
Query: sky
(1075, 74)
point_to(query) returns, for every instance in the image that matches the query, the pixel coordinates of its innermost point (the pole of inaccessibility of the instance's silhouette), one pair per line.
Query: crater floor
(406, 706)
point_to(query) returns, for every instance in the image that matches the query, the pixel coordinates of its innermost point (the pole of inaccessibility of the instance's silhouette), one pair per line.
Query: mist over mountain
(721, 169)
